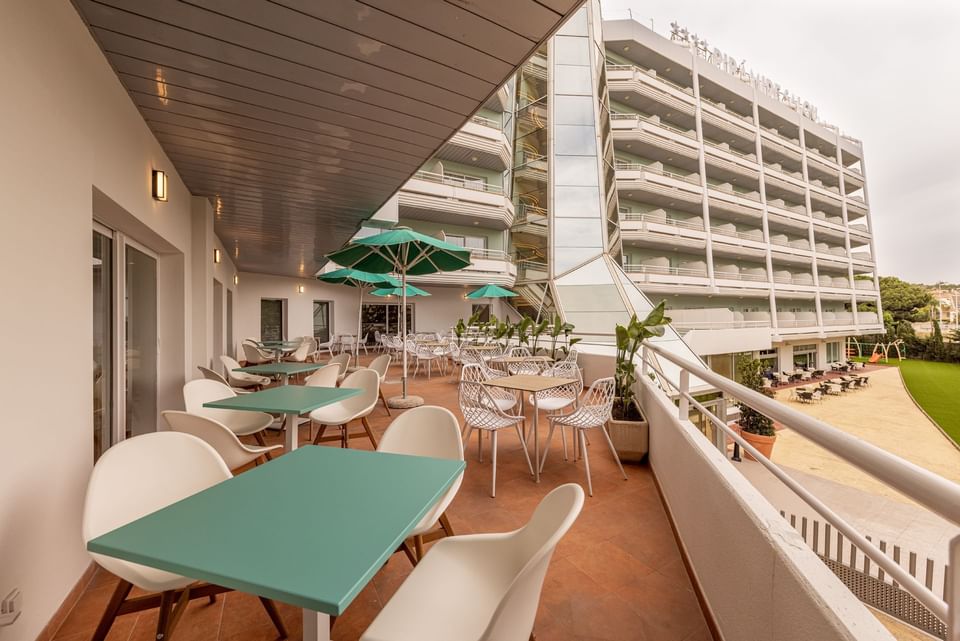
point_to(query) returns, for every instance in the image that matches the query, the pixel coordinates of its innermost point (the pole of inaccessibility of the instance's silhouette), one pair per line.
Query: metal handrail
(759, 278)
(491, 254)
(736, 234)
(646, 218)
(656, 123)
(646, 72)
(658, 269)
(627, 166)
(486, 122)
(730, 150)
(926, 488)
(723, 109)
(457, 181)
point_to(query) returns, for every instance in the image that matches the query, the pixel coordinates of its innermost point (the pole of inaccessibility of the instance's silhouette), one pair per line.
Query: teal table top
(310, 528)
(287, 399)
(268, 369)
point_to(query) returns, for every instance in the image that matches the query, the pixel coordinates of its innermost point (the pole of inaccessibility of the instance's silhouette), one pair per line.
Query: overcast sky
(885, 72)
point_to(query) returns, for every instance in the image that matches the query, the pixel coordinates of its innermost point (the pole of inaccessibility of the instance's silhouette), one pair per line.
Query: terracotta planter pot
(631, 439)
(764, 444)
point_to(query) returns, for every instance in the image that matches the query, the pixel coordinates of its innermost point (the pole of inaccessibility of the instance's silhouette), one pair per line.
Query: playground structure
(879, 348)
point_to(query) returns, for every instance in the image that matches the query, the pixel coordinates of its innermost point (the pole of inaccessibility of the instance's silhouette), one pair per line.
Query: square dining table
(218, 535)
(290, 400)
(525, 383)
(284, 370)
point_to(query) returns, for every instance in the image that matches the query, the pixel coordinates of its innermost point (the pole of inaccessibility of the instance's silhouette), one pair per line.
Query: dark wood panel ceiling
(301, 118)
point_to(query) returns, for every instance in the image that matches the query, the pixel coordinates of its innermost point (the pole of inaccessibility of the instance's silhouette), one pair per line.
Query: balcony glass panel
(576, 140)
(577, 202)
(571, 50)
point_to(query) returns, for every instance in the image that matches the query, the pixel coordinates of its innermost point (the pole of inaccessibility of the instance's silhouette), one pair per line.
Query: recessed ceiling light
(473, 158)
(626, 47)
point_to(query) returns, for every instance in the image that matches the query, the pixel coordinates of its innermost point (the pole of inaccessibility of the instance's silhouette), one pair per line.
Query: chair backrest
(532, 548)
(380, 364)
(252, 354)
(599, 398)
(300, 354)
(478, 406)
(326, 376)
(140, 475)
(519, 351)
(473, 372)
(343, 360)
(200, 391)
(211, 375)
(216, 435)
(368, 381)
(572, 355)
(431, 431)
(229, 363)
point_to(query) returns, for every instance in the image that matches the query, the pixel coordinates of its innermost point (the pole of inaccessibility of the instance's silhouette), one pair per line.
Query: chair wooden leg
(369, 431)
(323, 428)
(384, 399)
(418, 546)
(408, 551)
(178, 610)
(106, 621)
(344, 437)
(261, 442)
(274, 615)
(445, 524)
(163, 622)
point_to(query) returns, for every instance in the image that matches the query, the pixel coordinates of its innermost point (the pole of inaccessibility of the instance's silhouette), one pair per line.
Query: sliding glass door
(385, 318)
(102, 343)
(124, 339)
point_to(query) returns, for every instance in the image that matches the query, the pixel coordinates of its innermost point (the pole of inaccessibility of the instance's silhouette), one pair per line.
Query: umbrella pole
(359, 320)
(403, 324)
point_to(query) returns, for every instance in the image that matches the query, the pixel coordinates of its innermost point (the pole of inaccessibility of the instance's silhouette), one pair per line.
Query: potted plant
(535, 332)
(628, 429)
(755, 428)
(558, 329)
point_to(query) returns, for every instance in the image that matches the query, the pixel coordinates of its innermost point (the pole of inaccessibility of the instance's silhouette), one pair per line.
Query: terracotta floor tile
(616, 576)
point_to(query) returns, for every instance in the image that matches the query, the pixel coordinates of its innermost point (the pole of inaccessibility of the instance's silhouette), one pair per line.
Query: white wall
(437, 312)
(73, 143)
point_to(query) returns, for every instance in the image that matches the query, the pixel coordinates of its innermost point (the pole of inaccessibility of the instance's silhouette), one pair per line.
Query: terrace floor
(616, 576)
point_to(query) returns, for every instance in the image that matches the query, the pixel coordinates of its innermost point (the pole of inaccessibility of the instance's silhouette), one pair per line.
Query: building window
(833, 352)
(805, 355)
(321, 320)
(469, 242)
(271, 319)
(481, 311)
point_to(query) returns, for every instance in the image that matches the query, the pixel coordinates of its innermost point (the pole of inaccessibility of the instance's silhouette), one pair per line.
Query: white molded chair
(556, 400)
(480, 587)
(349, 409)
(300, 354)
(241, 379)
(211, 375)
(381, 365)
(234, 453)
(254, 355)
(431, 431)
(429, 355)
(344, 361)
(479, 373)
(481, 412)
(326, 376)
(136, 477)
(240, 422)
(594, 410)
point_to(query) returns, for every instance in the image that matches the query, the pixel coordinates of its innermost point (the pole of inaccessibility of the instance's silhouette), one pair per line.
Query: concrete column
(201, 282)
(695, 75)
(765, 221)
(785, 356)
(821, 354)
(813, 244)
(846, 235)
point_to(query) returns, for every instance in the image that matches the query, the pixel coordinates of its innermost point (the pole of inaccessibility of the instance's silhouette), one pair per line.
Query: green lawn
(936, 387)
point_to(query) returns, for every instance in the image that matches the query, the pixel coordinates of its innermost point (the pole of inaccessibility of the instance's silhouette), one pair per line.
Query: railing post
(684, 412)
(644, 366)
(720, 437)
(953, 591)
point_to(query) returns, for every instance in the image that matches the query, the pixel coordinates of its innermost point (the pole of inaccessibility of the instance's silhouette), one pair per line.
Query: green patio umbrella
(403, 251)
(360, 280)
(397, 291)
(491, 291)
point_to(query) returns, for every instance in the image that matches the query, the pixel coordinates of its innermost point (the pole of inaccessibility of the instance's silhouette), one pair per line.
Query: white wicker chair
(481, 412)
(594, 411)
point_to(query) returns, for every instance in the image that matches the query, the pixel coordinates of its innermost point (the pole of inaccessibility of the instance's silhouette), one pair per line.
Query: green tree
(904, 301)
(750, 374)
(935, 350)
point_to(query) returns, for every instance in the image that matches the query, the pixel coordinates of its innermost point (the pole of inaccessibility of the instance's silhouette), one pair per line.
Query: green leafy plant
(503, 332)
(629, 340)
(752, 421)
(459, 330)
(557, 329)
(536, 331)
(522, 328)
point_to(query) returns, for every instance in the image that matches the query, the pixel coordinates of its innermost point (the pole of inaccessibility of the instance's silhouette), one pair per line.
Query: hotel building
(744, 211)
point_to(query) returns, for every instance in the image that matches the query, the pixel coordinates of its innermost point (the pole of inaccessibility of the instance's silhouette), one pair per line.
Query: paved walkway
(882, 414)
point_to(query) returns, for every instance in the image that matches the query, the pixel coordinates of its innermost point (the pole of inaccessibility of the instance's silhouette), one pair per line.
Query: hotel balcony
(733, 277)
(652, 91)
(717, 118)
(782, 146)
(660, 277)
(657, 228)
(726, 164)
(651, 184)
(629, 129)
(486, 266)
(725, 199)
(436, 197)
(481, 143)
(856, 206)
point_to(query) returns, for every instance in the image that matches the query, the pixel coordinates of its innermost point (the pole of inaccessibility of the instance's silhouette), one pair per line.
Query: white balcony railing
(937, 494)
(486, 122)
(645, 219)
(626, 166)
(658, 269)
(456, 180)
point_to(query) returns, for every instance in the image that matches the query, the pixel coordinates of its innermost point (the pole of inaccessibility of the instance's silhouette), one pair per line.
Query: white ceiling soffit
(303, 117)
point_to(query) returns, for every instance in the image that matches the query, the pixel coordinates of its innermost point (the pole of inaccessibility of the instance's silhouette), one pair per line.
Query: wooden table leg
(316, 626)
